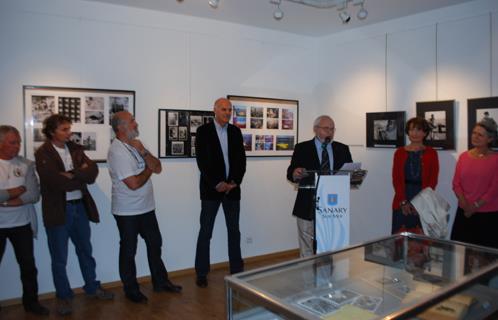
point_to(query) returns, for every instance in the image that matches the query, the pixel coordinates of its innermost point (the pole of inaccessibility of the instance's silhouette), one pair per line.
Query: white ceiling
(298, 18)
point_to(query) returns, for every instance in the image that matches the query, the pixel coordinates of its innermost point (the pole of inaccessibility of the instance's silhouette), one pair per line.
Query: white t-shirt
(12, 175)
(68, 165)
(125, 161)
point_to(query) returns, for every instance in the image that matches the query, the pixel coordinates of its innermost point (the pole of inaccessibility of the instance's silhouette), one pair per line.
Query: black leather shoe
(137, 297)
(36, 308)
(201, 282)
(169, 287)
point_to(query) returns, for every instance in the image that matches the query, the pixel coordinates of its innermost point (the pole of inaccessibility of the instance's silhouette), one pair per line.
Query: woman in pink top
(476, 185)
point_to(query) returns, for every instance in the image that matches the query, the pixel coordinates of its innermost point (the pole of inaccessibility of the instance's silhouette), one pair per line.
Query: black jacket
(211, 164)
(305, 156)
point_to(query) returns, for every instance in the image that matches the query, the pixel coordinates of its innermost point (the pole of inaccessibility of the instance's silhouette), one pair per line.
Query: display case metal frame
(277, 306)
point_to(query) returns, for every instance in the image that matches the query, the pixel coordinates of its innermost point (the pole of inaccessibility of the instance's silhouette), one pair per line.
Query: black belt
(74, 202)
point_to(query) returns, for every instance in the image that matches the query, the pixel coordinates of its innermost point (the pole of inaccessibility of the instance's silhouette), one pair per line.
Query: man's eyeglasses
(326, 128)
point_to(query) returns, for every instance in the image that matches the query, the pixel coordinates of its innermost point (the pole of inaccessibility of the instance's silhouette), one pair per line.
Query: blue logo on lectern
(332, 199)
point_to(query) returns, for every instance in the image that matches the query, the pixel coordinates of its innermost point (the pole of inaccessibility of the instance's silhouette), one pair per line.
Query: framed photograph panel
(385, 129)
(479, 109)
(177, 131)
(90, 111)
(440, 116)
(269, 126)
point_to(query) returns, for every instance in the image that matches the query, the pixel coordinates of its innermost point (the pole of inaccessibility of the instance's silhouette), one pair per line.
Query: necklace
(478, 154)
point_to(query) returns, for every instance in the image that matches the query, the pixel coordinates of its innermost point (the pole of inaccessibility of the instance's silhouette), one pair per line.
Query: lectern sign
(332, 213)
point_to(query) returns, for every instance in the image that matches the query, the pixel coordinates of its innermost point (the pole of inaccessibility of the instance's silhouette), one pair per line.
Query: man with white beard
(133, 206)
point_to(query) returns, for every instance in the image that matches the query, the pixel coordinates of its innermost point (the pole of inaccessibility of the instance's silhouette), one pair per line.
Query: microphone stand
(316, 198)
(315, 205)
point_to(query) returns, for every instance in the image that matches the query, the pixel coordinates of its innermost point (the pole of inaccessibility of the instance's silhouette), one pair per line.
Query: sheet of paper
(351, 166)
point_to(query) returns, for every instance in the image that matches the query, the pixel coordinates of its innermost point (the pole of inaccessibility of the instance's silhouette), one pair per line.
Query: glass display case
(404, 276)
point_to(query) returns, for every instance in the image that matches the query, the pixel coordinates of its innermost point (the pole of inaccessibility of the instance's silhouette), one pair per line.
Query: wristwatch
(402, 203)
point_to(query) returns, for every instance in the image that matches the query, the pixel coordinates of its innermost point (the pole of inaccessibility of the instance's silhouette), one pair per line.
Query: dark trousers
(209, 209)
(146, 226)
(22, 242)
(479, 229)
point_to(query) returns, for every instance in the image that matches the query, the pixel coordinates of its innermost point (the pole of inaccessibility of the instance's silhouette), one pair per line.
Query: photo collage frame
(269, 126)
(177, 131)
(90, 111)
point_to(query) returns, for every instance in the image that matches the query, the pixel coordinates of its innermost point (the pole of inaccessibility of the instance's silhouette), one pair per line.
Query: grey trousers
(305, 234)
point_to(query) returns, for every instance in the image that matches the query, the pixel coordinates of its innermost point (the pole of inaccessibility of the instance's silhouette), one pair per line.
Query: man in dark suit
(320, 153)
(221, 159)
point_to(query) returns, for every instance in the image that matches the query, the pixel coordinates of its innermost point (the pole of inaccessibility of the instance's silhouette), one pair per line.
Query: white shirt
(125, 161)
(68, 165)
(12, 175)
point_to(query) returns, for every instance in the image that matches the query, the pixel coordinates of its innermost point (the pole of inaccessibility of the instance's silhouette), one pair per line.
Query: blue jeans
(209, 210)
(76, 228)
(147, 227)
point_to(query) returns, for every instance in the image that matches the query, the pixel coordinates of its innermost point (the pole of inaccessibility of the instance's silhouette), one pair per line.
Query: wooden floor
(193, 303)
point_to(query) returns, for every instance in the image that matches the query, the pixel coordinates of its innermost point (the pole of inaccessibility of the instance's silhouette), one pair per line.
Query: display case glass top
(403, 276)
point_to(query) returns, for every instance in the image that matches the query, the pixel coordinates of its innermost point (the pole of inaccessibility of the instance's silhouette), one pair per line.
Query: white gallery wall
(173, 61)
(444, 54)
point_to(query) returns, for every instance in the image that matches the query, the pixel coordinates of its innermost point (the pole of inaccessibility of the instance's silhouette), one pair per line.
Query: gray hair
(116, 121)
(317, 120)
(489, 124)
(4, 129)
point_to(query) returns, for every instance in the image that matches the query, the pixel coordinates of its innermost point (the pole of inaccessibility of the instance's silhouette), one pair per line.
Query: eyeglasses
(326, 128)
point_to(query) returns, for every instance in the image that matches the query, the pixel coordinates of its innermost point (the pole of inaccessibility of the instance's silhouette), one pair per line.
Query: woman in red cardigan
(415, 167)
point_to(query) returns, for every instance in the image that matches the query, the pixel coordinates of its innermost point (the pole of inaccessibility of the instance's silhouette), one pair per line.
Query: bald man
(221, 159)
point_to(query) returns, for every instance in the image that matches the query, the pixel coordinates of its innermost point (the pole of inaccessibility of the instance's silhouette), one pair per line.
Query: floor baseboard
(290, 254)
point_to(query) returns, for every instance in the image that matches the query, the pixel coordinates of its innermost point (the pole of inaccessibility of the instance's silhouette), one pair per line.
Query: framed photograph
(269, 126)
(385, 252)
(90, 111)
(385, 129)
(440, 116)
(479, 109)
(177, 131)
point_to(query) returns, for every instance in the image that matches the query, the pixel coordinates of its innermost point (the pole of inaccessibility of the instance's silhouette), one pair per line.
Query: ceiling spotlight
(278, 14)
(214, 3)
(362, 13)
(345, 17)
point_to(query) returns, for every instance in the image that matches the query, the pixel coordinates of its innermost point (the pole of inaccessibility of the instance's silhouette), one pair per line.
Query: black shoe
(36, 308)
(201, 281)
(169, 286)
(239, 270)
(137, 297)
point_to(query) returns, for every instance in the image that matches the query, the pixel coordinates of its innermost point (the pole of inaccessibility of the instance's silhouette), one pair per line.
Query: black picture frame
(89, 109)
(177, 131)
(441, 118)
(385, 129)
(269, 126)
(476, 110)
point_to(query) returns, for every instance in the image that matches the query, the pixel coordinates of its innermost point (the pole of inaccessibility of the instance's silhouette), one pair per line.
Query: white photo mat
(269, 126)
(90, 111)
